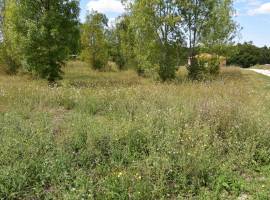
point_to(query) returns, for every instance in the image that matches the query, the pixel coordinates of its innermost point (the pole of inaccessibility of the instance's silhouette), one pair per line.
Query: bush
(204, 66)
(167, 70)
(98, 62)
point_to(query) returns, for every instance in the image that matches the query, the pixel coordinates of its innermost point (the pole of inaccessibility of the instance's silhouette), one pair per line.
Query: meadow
(114, 135)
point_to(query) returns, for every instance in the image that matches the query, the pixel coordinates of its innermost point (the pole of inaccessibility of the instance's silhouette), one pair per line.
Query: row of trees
(247, 55)
(152, 36)
(158, 35)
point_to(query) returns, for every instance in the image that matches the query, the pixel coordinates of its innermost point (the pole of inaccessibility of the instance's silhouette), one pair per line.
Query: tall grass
(118, 136)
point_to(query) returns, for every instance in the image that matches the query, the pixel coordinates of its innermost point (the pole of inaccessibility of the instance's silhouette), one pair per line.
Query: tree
(157, 34)
(43, 33)
(206, 23)
(122, 41)
(163, 27)
(264, 55)
(10, 54)
(93, 40)
(221, 29)
(246, 55)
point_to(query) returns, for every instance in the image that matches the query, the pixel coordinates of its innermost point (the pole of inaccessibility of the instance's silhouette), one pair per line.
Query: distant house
(207, 56)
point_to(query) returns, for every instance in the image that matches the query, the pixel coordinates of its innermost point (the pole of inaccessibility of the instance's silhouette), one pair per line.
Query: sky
(252, 15)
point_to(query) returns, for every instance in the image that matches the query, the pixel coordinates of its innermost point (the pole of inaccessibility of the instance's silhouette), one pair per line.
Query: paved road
(262, 71)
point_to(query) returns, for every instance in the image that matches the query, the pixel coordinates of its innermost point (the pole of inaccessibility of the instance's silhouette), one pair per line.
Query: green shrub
(167, 72)
(204, 67)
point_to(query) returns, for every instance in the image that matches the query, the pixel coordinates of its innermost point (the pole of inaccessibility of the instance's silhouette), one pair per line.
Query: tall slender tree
(157, 31)
(93, 40)
(122, 42)
(221, 29)
(11, 56)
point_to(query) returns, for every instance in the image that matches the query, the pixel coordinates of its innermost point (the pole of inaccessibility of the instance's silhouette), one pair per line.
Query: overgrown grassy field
(104, 135)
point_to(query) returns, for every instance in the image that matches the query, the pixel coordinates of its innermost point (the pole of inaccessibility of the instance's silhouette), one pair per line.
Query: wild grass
(106, 135)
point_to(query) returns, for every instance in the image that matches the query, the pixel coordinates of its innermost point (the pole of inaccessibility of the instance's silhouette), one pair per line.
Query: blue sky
(252, 15)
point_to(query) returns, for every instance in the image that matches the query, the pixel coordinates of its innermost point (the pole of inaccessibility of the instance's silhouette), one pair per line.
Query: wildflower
(138, 177)
(120, 174)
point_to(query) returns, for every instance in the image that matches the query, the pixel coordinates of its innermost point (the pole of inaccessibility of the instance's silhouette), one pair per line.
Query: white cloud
(250, 2)
(262, 9)
(243, 7)
(106, 6)
(252, 7)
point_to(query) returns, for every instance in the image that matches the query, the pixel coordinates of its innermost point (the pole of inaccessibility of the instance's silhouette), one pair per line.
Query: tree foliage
(11, 55)
(93, 40)
(153, 35)
(164, 27)
(39, 35)
(157, 35)
(247, 55)
(122, 41)
(207, 24)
